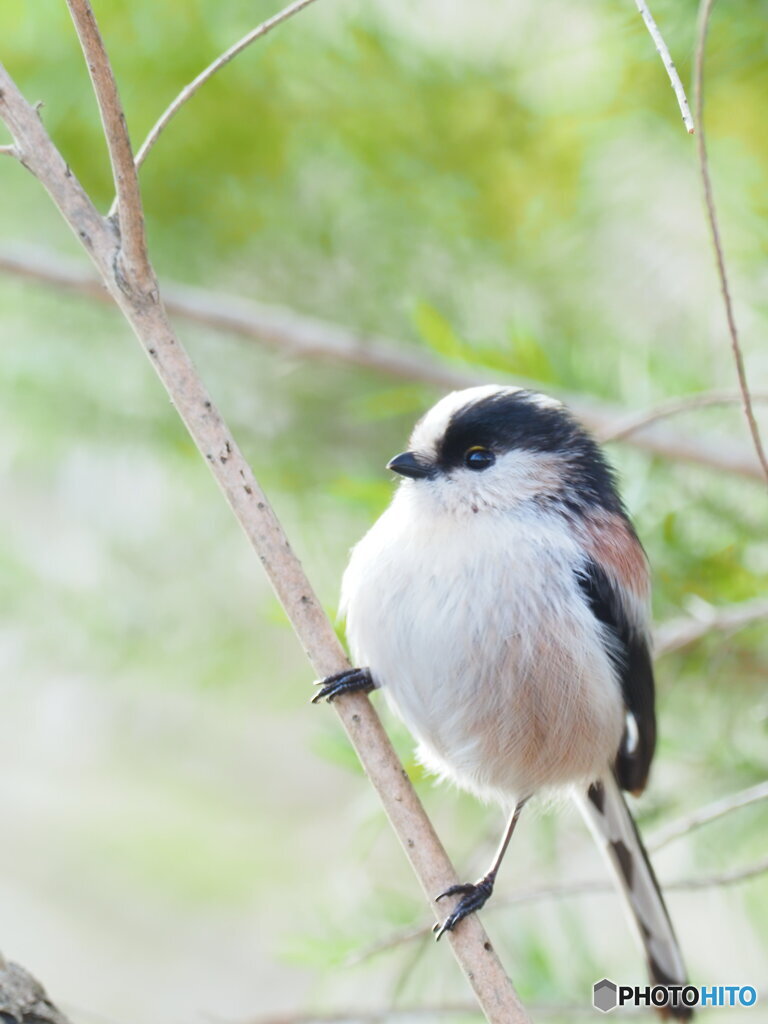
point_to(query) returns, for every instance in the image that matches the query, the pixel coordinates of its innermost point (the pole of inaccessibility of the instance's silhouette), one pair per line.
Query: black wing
(632, 659)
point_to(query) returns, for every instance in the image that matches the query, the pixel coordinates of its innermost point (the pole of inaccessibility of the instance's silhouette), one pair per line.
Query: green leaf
(438, 333)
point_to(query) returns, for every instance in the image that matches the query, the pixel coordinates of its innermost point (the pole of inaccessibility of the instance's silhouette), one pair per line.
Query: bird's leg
(351, 680)
(475, 895)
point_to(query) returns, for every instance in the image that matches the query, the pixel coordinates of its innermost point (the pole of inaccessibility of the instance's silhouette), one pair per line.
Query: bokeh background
(502, 186)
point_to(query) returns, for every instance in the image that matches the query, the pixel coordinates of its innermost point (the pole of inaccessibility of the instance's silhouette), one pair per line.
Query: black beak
(411, 465)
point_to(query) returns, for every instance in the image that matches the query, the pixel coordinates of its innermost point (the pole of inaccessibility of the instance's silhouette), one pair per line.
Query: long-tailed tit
(501, 603)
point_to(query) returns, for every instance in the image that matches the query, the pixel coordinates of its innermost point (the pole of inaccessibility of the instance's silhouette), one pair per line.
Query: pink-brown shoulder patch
(613, 544)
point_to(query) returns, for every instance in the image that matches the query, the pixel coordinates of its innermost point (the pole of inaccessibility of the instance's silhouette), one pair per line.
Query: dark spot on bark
(487, 947)
(247, 489)
(410, 843)
(260, 506)
(153, 352)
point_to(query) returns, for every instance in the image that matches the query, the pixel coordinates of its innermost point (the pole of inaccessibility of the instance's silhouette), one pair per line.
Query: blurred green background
(505, 185)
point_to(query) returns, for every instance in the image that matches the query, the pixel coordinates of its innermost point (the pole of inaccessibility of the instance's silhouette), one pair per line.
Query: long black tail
(613, 826)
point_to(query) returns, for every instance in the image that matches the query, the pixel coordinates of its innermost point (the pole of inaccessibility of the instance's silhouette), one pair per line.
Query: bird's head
(501, 447)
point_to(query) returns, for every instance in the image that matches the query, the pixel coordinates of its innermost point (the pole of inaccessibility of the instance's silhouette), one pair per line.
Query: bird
(502, 604)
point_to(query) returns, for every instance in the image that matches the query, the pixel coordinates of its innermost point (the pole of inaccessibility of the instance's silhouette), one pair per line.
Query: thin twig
(705, 10)
(564, 890)
(189, 90)
(9, 150)
(304, 337)
(663, 51)
(704, 815)
(706, 618)
(135, 266)
(147, 317)
(674, 407)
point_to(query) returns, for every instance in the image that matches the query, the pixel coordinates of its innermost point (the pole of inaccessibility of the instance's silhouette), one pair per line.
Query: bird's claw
(351, 680)
(473, 897)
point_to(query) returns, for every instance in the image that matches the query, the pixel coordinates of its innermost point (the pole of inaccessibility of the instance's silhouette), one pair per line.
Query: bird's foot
(474, 895)
(351, 680)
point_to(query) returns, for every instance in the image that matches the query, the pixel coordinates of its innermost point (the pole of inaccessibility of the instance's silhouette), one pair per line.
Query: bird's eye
(479, 458)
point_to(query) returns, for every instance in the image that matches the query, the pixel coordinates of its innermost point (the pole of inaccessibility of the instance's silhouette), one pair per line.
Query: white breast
(476, 630)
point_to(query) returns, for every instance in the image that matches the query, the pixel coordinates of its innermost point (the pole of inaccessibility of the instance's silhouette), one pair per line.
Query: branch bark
(143, 309)
(23, 999)
(304, 337)
(663, 51)
(132, 256)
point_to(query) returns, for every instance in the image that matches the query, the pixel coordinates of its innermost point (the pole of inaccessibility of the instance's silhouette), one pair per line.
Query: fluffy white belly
(478, 634)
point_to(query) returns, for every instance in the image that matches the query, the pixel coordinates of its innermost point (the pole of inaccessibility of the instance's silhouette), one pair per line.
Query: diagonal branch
(565, 890)
(189, 90)
(666, 59)
(672, 407)
(146, 315)
(705, 10)
(135, 265)
(704, 815)
(680, 632)
(304, 337)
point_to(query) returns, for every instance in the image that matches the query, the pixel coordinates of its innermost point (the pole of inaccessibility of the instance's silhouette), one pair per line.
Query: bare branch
(674, 407)
(23, 998)
(133, 251)
(663, 51)
(189, 90)
(565, 890)
(9, 150)
(308, 338)
(705, 9)
(706, 618)
(38, 154)
(704, 815)
(147, 317)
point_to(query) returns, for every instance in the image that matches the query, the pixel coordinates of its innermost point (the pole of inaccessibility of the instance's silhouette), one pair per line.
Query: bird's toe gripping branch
(351, 680)
(474, 895)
